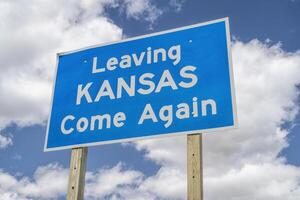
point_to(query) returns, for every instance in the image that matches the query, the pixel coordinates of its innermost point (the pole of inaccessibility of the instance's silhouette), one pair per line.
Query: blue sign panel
(173, 82)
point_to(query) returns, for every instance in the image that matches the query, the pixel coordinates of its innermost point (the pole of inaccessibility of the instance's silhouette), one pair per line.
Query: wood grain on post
(194, 167)
(77, 173)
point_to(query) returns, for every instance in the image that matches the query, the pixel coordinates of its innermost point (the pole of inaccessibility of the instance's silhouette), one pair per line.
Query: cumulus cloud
(245, 163)
(147, 10)
(49, 182)
(121, 183)
(5, 141)
(31, 34)
(177, 4)
(142, 9)
(109, 183)
(264, 181)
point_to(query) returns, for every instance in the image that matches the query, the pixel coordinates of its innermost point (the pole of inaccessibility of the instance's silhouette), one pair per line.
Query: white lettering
(166, 80)
(105, 90)
(119, 119)
(82, 124)
(129, 89)
(166, 114)
(99, 119)
(111, 63)
(138, 61)
(183, 111)
(174, 53)
(212, 104)
(162, 53)
(63, 122)
(148, 113)
(83, 92)
(95, 69)
(146, 82)
(125, 62)
(184, 74)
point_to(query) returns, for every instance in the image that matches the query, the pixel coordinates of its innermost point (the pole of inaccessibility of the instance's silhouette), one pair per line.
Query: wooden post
(77, 173)
(194, 167)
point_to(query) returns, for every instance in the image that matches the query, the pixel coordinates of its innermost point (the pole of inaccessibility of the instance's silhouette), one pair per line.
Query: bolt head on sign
(178, 81)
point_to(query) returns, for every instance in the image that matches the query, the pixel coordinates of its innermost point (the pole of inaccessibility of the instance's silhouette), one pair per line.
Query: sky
(259, 160)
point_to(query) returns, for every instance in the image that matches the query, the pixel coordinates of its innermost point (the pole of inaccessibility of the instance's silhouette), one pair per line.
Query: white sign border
(232, 88)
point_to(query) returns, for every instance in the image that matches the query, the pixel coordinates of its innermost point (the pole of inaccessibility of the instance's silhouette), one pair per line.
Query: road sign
(173, 82)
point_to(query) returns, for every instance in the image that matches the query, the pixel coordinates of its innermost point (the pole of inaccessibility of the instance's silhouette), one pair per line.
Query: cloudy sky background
(257, 161)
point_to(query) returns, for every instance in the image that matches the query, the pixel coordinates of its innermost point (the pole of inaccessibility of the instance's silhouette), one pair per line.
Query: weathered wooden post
(194, 167)
(77, 173)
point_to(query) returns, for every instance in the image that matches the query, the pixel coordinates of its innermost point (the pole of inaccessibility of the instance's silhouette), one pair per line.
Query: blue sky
(267, 70)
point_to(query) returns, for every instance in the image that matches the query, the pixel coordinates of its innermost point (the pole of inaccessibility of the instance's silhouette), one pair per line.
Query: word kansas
(144, 84)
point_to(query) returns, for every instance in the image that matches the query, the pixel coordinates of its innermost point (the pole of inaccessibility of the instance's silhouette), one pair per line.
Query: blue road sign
(178, 81)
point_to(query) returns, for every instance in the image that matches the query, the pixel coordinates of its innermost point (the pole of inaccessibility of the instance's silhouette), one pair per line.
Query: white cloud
(168, 183)
(266, 96)
(5, 141)
(159, 150)
(120, 183)
(31, 34)
(142, 9)
(147, 10)
(274, 181)
(246, 160)
(111, 182)
(177, 4)
(49, 182)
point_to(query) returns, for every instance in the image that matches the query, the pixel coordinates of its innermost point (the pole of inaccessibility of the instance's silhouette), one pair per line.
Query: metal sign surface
(173, 82)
